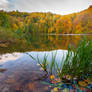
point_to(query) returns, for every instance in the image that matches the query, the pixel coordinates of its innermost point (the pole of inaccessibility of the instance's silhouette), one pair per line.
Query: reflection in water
(7, 57)
(23, 74)
(19, 73)
(44, 43)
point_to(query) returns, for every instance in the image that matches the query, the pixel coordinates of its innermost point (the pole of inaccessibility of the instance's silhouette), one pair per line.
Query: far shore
(66, 34)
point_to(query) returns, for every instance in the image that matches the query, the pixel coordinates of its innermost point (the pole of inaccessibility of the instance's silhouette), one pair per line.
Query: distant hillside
(20, 24)
(83, 21)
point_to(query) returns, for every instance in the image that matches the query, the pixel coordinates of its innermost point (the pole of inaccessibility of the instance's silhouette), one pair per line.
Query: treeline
(21, 23)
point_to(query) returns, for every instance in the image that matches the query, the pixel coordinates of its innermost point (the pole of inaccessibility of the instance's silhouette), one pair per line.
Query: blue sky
(62, 7)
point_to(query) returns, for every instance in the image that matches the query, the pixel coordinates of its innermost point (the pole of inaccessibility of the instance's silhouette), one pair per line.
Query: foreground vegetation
(78, 63)
(74, 68)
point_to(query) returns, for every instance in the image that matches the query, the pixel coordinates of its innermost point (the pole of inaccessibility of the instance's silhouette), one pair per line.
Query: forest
(20, 25)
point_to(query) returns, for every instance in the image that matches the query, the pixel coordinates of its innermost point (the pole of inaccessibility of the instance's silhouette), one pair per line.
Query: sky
(62, 7)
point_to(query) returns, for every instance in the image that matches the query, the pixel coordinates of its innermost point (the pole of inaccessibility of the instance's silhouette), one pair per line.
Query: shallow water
(20, 73)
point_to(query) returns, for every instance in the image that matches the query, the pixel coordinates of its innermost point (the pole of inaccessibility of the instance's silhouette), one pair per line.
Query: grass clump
(44, 63)
(48, 67)
(74, 70)
(77, 64)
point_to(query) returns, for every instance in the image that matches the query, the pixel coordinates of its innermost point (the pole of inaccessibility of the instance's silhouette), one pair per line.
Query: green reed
(48, 67)
(77, 63)
(43, 63)
(52, 64)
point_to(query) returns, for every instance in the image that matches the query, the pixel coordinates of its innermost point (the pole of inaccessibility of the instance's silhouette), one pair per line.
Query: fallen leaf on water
(53, 81)
(52, 77)
(87, 81)
(68, 77)
(58, 80)
(82, 83)
(82, 89)
(54, 90)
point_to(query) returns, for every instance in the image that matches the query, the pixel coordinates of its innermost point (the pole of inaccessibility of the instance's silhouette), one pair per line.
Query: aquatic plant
(78, 62)
(44, 63)
(52, 64)
(75, 68)
(49, 67)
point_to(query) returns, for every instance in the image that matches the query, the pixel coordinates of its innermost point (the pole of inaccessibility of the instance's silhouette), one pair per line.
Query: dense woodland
(20, 25)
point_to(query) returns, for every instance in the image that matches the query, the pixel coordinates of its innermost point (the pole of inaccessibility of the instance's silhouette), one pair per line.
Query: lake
(20, 73)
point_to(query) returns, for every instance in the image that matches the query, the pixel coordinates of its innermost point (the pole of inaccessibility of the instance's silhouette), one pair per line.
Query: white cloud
(54, 6)
(4, 4)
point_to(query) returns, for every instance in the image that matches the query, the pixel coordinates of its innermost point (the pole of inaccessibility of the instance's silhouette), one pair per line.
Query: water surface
(20, 73)
(43, 43)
